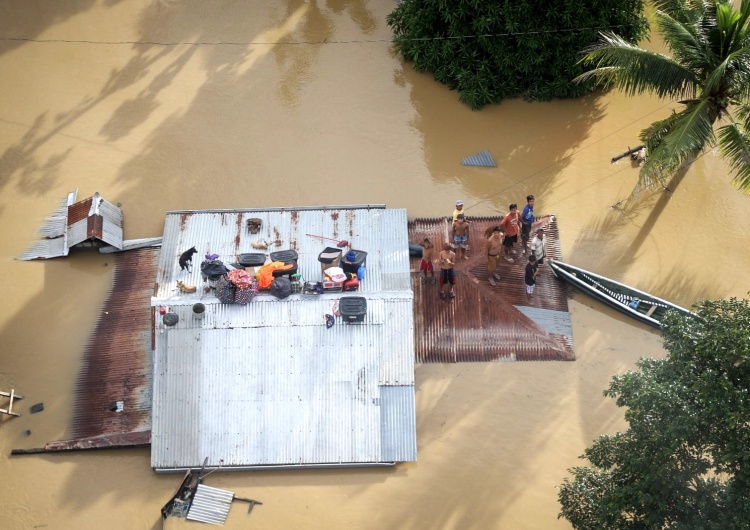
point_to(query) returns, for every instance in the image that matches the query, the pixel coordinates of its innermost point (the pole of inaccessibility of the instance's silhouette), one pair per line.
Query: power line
(297, 43)
(567, 156)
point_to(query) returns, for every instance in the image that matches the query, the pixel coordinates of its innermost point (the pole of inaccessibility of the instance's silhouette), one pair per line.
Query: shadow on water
(596, 239)
(35, 20)
(528, 159)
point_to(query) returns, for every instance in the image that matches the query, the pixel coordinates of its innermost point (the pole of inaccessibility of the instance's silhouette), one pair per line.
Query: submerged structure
(92, 222)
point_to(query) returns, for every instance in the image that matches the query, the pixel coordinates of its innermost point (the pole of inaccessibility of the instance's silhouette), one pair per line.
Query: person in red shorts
(428, 254)
(511, 223)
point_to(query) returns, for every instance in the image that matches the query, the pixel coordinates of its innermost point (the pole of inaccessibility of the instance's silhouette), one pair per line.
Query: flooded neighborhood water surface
(167, 105)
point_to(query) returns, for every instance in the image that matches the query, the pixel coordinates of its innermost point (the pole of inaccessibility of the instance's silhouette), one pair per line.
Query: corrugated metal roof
(486, 323)
(210, 505)
(267, 384)
(117, 359)
(75, 222)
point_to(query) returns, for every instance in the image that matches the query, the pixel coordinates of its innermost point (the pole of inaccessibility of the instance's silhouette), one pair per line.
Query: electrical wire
(310, 43)
(568, 156)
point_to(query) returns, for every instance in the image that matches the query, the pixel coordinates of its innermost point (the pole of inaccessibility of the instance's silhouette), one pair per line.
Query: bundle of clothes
(237, 286)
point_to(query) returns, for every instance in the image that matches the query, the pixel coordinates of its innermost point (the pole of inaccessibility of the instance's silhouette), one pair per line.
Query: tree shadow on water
(530, 142)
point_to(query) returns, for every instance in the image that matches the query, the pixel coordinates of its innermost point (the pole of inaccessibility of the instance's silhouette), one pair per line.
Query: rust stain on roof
(79, 211)
(117, 362)
(484, 323)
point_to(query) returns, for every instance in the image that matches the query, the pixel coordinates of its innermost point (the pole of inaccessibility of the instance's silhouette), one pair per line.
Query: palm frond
(635, 70)
(734, 143)
(684, 41)
(676, 140)
(731, 77)
(684, 10)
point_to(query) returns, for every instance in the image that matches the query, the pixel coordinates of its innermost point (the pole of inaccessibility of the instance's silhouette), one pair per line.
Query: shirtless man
(447, 260)
(461, 235)
(494, 248)
(511, 223)
(428, 254)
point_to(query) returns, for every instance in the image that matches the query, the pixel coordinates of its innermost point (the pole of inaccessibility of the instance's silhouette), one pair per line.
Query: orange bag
(265, 273)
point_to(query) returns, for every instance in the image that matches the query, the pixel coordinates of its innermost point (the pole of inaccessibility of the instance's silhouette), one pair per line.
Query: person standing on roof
(511, 224)
(459, 209)
(461, 236)
(447, 273)
(527, 219)
(494, 248)
(539, 246)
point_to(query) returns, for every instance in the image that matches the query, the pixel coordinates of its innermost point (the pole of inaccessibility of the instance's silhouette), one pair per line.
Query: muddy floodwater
(165, 105)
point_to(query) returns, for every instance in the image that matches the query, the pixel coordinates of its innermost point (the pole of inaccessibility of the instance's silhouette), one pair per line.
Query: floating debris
(39, 407)
(483, 159)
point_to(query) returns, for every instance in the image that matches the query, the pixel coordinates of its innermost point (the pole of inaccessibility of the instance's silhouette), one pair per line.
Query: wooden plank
(9, 410)
(6, 394)
(651, 311)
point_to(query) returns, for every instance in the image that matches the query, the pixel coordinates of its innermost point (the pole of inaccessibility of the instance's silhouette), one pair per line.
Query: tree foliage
(684, 461)
(708, 73)
(489, 50)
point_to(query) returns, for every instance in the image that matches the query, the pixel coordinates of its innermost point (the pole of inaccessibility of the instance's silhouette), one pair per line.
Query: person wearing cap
(539, 246)
(459, 209)
(461, 235)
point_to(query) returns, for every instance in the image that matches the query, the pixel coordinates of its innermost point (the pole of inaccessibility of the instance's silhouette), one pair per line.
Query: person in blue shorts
(527, 219)
(461, 236)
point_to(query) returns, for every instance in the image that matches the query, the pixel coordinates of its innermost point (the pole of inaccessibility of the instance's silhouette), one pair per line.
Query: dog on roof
(186, 259)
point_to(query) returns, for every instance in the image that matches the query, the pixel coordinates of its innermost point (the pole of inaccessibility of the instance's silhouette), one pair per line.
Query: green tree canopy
(489, 50)
(708, 73)
(684, 461)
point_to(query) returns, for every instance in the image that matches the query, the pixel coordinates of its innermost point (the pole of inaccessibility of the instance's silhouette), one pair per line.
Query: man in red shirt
(511, 223)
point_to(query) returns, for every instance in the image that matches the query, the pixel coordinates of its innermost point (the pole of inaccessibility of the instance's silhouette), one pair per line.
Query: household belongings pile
(236, 287)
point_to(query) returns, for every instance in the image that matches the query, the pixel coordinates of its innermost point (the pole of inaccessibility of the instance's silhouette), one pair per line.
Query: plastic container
(285, 256)
(199, 310)
(361, 273)
(330, 257)
(352, 265)
(254, 259)
(353, 308)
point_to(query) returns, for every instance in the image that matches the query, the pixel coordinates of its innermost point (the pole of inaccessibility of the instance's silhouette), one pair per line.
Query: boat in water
(640, 305)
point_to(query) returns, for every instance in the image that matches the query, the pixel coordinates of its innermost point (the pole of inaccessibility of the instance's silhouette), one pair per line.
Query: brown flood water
(159, 127)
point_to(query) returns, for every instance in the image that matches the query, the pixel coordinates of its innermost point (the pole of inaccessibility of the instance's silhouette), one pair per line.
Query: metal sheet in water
(483, 159)
(210, 505)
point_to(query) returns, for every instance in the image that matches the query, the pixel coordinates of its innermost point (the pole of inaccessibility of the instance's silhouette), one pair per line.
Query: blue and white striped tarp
(483, 159)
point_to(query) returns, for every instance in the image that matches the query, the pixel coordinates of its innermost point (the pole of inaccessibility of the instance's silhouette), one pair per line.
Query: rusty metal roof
(117, 362)
(485, 323)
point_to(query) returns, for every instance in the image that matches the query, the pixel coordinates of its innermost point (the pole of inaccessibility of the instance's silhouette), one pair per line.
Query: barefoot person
(527, 219)
(461, 236)
(539, 246)
(494, 248)
(428, 254)
(511, 223)
(530, 276)
(447, 274)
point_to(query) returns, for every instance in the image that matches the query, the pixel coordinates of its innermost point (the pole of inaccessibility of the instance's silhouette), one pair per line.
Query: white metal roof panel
(210, 505)
(267, 384)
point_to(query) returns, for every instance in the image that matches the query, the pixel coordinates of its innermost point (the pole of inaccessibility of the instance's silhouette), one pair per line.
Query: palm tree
(708, 74)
